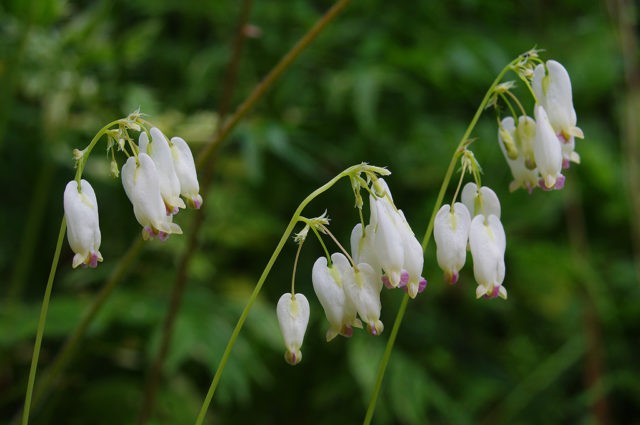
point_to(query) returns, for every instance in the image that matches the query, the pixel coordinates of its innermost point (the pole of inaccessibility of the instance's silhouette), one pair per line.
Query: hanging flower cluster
(536, 149)
(474, 221)
(384, 252)
(155, 176)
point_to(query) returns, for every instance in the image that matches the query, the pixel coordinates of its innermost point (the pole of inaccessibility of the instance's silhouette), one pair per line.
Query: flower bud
(293, 316)
(83, 229)
(451, 233)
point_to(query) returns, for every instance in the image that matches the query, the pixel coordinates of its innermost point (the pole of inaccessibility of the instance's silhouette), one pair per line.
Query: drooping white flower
(328, 284)
(162, 156)
(552, 86)
(293, 316)
(523, 136)
(186, 171)
(398, 251)
(140, 182)
(83, 227)
(363, 287)
(487, 241)
(548, 152)
(480, 201)
(451, 233)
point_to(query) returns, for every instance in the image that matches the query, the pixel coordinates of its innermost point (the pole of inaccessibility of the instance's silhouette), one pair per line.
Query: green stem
(254, 295)
(41, 323)
(87, 151)
(425, 241)
(70, 344)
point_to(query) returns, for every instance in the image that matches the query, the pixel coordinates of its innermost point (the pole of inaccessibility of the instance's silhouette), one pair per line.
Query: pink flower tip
(404, 279)
(450, 278)
(347, 331)
(423, 284)
(387, 282)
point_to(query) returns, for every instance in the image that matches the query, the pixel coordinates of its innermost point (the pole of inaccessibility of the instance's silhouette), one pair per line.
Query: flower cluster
(537, 150)
(476, 221)
(154, 177)
(385, 252)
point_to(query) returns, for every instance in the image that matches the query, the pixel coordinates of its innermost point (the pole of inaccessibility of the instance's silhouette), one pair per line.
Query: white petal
(167, 178)
(482, 201)
(488, 243)
(186, 171)
(363, 289)
(140, 182)
(413, 257)
(327, 284)
(547, 149)
(363, 248)
(388, 242)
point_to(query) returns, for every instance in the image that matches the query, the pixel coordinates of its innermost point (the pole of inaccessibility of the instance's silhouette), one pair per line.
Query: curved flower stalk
(328, 284)
(398, 251)
(488, 243)
(140, 182)
(83, 228)
(162, 156)
(451, 233)
(293, 316)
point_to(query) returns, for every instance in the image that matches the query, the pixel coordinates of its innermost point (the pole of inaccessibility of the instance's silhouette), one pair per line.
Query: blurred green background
(392, 84)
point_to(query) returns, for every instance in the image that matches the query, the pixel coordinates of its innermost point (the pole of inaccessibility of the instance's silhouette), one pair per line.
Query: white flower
(451, 232)
(362, 247)
(162, 156)
(398, 251)
(293, 317)
(488, 243)
(523, 136)
(140, 182)
(552, 86)
(363, 287)
(328, 284)
(548, 152)
(480, 201)
(186, 171)
(83, 228)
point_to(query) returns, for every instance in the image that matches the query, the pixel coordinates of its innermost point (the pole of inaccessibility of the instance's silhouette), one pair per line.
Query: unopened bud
(115, 172)
(509, 144)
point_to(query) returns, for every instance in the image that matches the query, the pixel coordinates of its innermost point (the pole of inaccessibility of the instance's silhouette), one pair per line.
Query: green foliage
(392, 85)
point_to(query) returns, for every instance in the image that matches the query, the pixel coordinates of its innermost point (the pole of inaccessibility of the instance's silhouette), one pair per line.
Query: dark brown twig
(155, 372)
